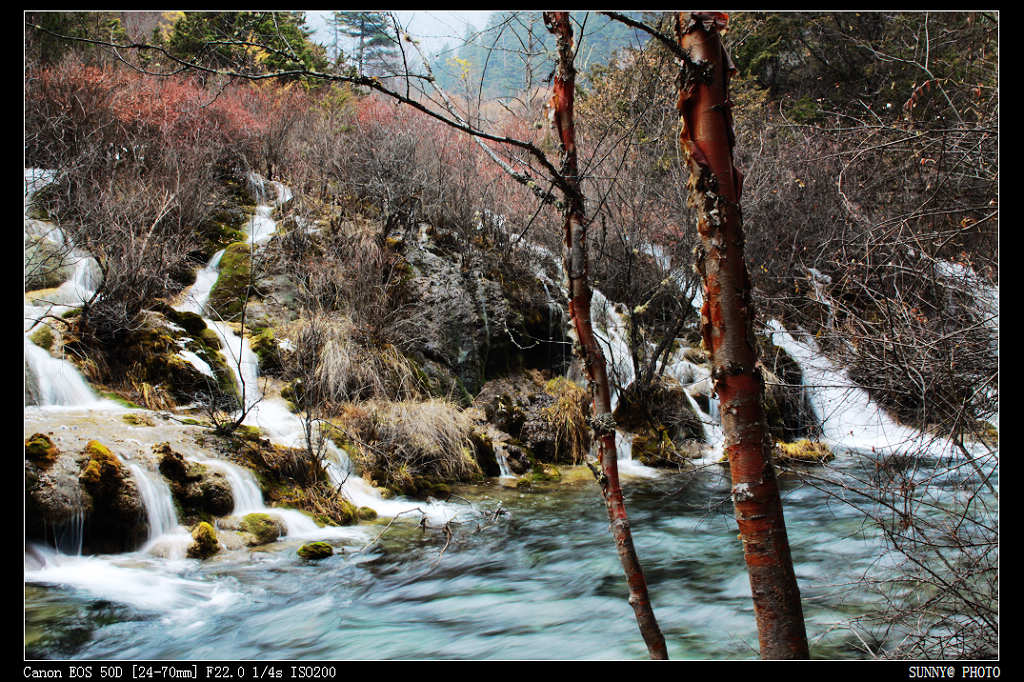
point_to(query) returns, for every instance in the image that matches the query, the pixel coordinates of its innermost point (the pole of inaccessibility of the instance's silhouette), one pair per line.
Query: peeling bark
(706, 140)
(576, 267)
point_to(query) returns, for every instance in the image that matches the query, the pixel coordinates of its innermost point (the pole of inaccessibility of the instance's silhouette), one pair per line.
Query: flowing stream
(507, 573)
(540, 582)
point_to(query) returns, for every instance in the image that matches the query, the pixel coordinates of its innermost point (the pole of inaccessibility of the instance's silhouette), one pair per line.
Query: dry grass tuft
(568, 416)
(409, 447)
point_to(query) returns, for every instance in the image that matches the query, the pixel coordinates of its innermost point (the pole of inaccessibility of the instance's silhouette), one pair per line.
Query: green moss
(103, 464)
(545, 472)
(121, 400)
(42, 337)
(41, 450)
(204, 541)
(229, 293)
(366, 513)
(138, 419)
(190, 322)
(313, 551)
(266, 348)
(247, 432)
(263, 527)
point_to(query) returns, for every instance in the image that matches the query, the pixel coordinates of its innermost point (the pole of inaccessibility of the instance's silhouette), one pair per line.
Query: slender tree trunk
(576, 267)
(706, 141)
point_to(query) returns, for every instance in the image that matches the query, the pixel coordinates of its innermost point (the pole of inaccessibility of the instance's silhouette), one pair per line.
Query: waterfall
(51, 381)
(167, 537)
(193, 299)
(248, 500)
(504, 471)
(846, 413)
(270, 413)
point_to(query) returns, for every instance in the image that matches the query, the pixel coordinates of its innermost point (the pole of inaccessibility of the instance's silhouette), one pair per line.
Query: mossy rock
(191, 322)
(42, 337)
(246, 432)
(41, 450)
(314, 551)
(267, 350)
(263, 528)
(545, 472)
(103, 465)
(804, 451)
(204, 541)
(136, 419)
(229, 292)
(366, 513)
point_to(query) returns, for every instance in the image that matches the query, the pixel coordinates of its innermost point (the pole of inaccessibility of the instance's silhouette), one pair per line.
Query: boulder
(198, 491)
(667, 429)
(262, 528)
(313, 551)
(204, 541)
(55, 504)
(545, 417)
(116, 518)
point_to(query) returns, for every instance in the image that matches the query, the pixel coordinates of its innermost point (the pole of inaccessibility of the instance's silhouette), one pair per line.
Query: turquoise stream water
(540, 581)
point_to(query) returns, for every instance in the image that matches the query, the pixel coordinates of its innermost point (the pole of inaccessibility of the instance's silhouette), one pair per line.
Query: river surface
(539, 581)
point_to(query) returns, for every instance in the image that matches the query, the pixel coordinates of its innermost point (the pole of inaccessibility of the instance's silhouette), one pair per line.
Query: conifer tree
(374, 44)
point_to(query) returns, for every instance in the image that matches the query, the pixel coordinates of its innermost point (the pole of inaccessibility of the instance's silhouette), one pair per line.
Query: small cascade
(501, 455)
(193, 299)
(846, 413)
(166, 536)
(51, 381)
(156, 497)
(68, 536)
(249, 500)
(58, 383)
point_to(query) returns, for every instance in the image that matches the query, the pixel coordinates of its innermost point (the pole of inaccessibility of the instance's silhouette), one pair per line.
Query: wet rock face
(526, 405)
(54, 501)
(198, 491)
(115, 519)
(787, 408)
(474, 326)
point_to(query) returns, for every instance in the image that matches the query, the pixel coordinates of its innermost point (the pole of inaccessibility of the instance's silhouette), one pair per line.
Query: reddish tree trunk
(706, 140)
(576, 267)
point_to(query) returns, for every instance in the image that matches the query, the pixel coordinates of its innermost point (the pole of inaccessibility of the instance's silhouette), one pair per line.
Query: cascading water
(271, 414)
(481, 596)
(248, 499)
(51, 381)
(846, 413)
(166, 536)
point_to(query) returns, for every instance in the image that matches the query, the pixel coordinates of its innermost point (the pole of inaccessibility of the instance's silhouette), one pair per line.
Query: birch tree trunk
(576, 267)
(706, 142)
